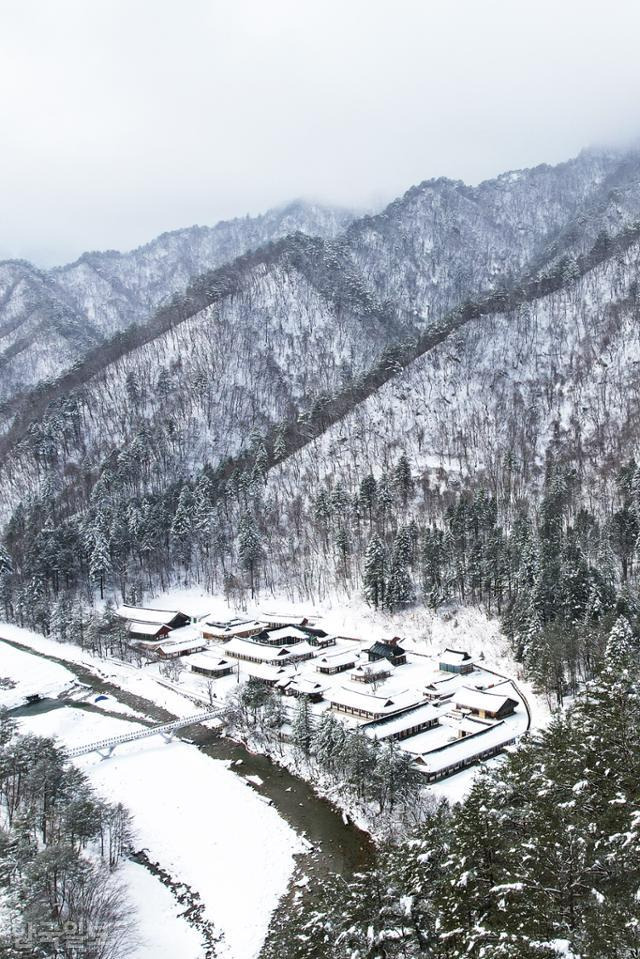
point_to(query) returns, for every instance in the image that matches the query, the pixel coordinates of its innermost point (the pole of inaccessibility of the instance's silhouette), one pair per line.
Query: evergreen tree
(367, 496)
(402, 478)
(249, 548)
(182, 526)
(99, 558)
(621, 647)
(375, 572)
(280, 446)
(400, 591)
(260, 465)
(302, 727)
(343, 550)
(328, 742)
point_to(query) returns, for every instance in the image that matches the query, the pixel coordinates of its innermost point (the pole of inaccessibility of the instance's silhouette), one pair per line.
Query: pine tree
(343, 549)
(400, 591)
(182, 526)
(302, 727)
(322, 515)
(328, 742)
(375, 572)
(260, 465)
(60, 618)
(249, 548)
(367, 496)
(280, 446)
(621, 647)
(402, 478)
(99, 558)
(359, 760)
(340, 502)
(385, 502)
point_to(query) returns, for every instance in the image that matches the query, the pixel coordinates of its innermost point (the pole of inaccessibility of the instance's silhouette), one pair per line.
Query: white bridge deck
(106, 746)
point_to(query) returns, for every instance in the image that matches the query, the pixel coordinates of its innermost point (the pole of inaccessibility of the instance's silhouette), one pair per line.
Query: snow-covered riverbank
(22, 676)
(204, 825)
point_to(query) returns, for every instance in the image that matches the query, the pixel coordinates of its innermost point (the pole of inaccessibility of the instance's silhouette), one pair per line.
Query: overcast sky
(120, 119)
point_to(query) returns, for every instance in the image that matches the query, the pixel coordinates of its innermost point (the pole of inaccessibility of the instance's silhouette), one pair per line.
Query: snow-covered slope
(482, 410)
(564, 367)
(271, 338)
(443, 241)
(288, 328)
(49, 319)
(438, 244)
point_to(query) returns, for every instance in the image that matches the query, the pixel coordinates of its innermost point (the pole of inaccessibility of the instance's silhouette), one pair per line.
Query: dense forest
(60, 847)
(553, 570)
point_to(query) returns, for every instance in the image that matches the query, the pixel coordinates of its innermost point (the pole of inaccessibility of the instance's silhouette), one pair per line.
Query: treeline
(553, 570)
(60, 846)
(540, 861)
(381, 776)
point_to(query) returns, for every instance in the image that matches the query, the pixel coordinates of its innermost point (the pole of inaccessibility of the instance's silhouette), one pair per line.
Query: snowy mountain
(275, 336)
(357, 349)
(49, 319)
(557, 377)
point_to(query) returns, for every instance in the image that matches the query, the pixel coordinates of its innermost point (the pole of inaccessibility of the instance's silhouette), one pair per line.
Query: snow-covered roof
(170, 646)
(224, 630)
(339, 659)
(505, 688)
(379, 667)
(454, 657)
(461, 750)
(386, 647)
(286, 632)
(308, 686)
(468, 725)
(266, 671)
(186, 632)
(145, 629)
(282, 619)
(375, 705)
(141, 615)
(467, 698)
(225, 624)
(386, 728)
(244, 647)
(207, 661)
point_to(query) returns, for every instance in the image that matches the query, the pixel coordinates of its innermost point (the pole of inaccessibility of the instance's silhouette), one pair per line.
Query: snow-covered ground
(138, 682)
(192, 814)
(161, 931)
(205, 826)
(23, 675)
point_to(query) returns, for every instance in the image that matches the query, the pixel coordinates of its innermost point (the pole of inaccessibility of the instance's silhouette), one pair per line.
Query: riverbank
(330, 844)
(192, 815)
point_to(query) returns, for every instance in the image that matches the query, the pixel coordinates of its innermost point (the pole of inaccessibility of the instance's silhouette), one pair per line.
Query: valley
(413, 436)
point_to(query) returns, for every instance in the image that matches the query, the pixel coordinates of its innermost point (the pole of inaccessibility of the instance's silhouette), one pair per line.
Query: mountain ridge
(241, 330)
(101, 294)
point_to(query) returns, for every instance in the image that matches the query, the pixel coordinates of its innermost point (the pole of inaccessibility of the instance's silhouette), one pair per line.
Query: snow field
(195, 817)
